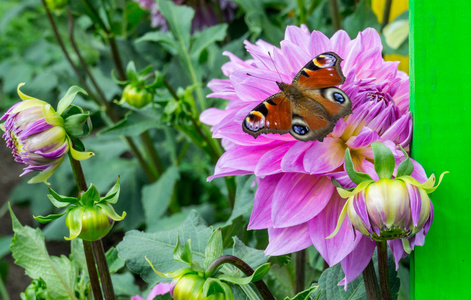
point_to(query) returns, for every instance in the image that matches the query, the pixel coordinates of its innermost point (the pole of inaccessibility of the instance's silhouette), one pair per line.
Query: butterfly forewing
(272, 115)
(321, 72)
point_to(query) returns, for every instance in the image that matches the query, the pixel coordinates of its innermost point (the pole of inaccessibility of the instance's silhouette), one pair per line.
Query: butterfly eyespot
(339, 97)
(254, 121)
(301, 130)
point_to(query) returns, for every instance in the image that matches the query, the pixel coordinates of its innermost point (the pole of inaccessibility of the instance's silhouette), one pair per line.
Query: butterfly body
(308, 108)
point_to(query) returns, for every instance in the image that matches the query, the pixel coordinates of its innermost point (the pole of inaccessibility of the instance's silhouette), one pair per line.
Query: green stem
(245, 268)
(135, 151)
(335, 14)
(302, 12)
(386, 13)
(67, 56)
(98, 252)
(92, 271)
(103, 269)
(371, 282)
(84, 63)
(152, 153)
(300, 271)
(3, 290)
(383, 270)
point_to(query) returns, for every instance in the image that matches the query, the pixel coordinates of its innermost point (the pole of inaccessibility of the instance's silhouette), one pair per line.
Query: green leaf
(179, 19)
(29, 250)
(158, 247)
(245, 194)
(91, 196)
(253, 257)
(212, 286)
(134, 123)
(164, 38)
(5, 245)
(51, 217)
(69, 98)
(355, 176)
(74, 125)
(328, 288)
(183, 254)
(406, 167)
(207, 37)
(115, 263)
(304, 295)
(131, 72)
(214, 248)
(124, 285)
(113, 194)
(60, 201)
(362, 18)
(384, 160)
(156, 197)
(257, 275)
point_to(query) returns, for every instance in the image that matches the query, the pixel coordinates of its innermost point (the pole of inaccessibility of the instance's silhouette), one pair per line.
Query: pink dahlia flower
(295, 199)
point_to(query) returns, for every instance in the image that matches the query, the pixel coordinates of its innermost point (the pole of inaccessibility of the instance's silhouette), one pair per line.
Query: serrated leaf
(29, 250)
(69, 98)
(355, 176)
(384, 160)
(214, 248)
(158, 247)
(156, 197)
(329, 289)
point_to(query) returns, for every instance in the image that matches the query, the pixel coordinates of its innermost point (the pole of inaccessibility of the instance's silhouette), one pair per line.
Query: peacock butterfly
(309, 107)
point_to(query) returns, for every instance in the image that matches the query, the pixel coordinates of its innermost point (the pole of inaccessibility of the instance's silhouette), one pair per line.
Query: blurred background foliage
(161, 152)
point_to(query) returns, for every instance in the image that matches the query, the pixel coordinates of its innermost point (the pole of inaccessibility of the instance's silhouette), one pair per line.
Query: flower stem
(371, 282)
(152, 153)
(386, 13)
(103, 269)
(3, 290)
(93, 251)
(245, 268)
(300, 271)
(92, 272)
(383, 270)
(335, 14)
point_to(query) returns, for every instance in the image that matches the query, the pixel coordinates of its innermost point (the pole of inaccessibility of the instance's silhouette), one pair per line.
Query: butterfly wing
(320, 72)
(271, 116)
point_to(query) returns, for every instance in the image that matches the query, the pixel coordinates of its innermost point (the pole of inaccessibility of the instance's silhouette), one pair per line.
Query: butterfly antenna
(273, 61)
(248, 74)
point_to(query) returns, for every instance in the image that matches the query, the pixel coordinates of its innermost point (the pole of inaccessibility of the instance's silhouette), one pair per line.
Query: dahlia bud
(36, 134)
(393, 207)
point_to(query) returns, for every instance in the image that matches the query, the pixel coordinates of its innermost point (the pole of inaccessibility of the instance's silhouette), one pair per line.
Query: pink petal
(287, 240)
(321, 226)
(261, 213)
(298, 198)
(319, 43)
(324, 157)
(293, 161)
(270, 162)
(363, 139)
(354, 264)
(213, 116)
(398, 250)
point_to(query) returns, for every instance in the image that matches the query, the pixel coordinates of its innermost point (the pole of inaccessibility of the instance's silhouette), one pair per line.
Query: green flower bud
(91, 223)
(190, 287)
(136, 96)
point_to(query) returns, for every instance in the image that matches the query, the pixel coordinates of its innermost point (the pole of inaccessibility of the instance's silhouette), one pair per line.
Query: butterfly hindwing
(321, 72)
(271, 116)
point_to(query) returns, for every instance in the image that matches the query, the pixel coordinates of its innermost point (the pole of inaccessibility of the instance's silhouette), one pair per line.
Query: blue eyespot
(301, 130)
(339, 97)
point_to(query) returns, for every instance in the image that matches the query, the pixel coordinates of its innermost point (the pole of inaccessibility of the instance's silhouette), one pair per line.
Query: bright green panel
(440, 54)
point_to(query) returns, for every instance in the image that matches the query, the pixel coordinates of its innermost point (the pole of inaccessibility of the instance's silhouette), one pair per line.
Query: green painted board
(440, 82)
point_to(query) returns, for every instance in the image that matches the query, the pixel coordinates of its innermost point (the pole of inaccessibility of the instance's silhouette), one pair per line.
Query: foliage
(161, 152)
